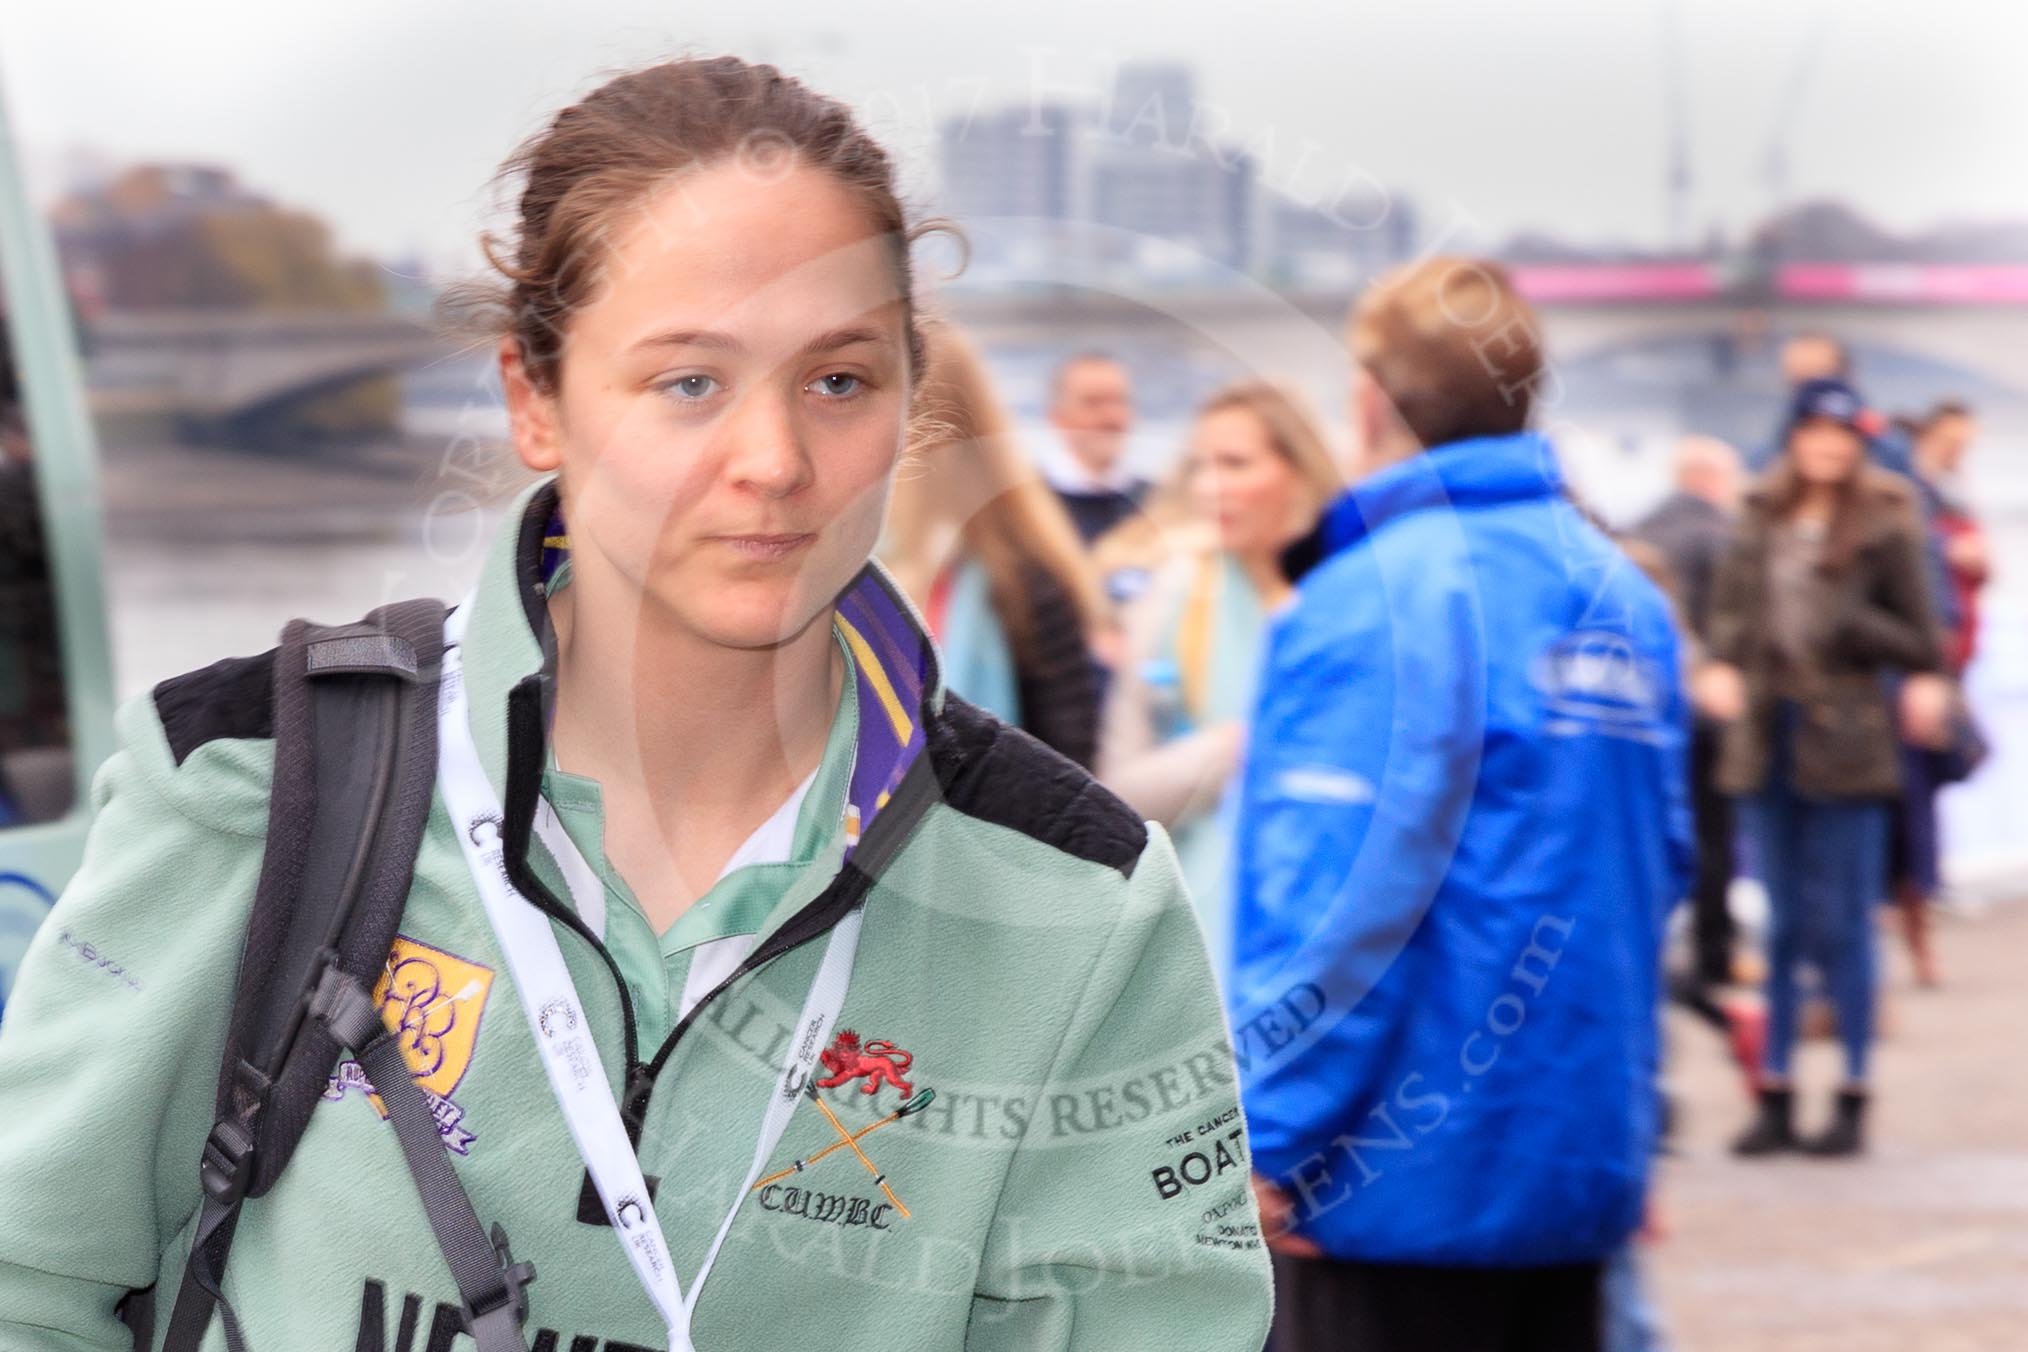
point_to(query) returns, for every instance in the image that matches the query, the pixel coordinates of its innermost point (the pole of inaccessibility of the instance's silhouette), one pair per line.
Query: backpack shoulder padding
(354, 723)
(233, 697)
(1000, 774)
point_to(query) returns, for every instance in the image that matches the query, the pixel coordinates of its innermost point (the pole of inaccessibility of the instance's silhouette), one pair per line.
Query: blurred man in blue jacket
(1462, 822)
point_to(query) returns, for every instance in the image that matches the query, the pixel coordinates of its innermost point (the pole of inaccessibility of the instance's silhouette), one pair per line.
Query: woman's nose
(768, 454)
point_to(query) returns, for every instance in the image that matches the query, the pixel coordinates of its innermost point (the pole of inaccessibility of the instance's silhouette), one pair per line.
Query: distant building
(1012, 178)
(1171, 208)
(1014, 163)
(1130, 191)
(1339, 245)
(1178, 216)
(1152, 105)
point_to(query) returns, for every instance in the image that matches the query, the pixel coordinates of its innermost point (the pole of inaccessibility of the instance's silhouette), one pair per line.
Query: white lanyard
(562, 1030)
(587, 893)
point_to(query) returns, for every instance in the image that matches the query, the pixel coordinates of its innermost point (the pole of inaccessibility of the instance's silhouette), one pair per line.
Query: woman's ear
(531, 413)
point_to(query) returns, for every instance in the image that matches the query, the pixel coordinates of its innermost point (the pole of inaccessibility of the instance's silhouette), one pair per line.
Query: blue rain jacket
(1463, 820)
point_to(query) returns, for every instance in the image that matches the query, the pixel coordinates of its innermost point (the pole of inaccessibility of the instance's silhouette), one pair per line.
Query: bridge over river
(216, 365)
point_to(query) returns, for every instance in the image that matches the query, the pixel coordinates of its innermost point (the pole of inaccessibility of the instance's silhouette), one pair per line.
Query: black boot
(1774, 1129)
(1846, 1135)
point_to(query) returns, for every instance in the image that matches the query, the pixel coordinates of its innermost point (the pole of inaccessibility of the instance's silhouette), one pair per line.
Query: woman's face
(730, 402)
(1826, 453)
(1238, 481)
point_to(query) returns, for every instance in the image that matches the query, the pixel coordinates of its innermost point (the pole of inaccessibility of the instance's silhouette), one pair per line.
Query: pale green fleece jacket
(1079, 1180)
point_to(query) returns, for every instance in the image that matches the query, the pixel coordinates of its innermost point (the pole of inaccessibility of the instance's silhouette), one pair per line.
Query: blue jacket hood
(1476, 472)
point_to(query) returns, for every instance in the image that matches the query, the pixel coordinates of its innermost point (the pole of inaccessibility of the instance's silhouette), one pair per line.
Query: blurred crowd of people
(1441, 755)
(1835, 600)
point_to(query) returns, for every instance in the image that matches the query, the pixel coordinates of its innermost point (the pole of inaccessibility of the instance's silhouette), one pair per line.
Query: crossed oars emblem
(849, 1140)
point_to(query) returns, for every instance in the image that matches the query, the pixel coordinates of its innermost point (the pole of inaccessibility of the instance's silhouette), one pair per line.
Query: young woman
(762, 829)
(988, 553)
(1823, 598)
(1254, 479)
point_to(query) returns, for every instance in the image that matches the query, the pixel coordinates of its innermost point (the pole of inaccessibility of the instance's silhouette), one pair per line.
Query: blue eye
(836, 385)
(690, 389)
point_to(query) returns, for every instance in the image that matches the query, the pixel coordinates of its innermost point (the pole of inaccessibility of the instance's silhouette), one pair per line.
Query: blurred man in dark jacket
(1692, 528)
(1693, 524)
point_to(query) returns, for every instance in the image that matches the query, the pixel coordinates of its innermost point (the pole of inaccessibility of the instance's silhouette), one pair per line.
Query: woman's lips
(766, 548)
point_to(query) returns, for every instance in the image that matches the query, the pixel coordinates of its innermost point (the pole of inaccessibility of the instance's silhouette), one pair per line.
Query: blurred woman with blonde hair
(1255, 478)
(985, 549)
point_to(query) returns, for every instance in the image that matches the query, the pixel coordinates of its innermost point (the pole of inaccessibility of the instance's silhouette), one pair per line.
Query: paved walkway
(1920, 1247)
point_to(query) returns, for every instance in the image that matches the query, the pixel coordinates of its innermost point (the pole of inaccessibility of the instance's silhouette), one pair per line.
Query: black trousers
(1711, 921)
(1324, 1305)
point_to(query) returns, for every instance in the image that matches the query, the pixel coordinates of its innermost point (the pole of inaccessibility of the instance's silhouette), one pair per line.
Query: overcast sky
(388, 119)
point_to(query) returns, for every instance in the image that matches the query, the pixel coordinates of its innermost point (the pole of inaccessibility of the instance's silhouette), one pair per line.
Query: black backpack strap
(355, 772)
(491, 1284)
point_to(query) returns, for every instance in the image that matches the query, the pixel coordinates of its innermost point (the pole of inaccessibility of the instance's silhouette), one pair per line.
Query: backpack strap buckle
(226, 1167)
(343, 1007)
(499, 1317)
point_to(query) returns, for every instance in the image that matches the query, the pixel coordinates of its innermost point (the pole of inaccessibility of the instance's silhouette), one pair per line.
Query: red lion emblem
(877, 1061)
